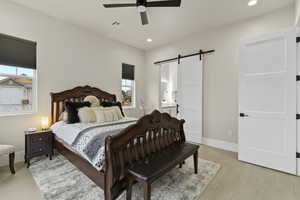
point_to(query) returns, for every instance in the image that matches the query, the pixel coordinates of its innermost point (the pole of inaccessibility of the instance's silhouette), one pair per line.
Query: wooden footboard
(149, 135)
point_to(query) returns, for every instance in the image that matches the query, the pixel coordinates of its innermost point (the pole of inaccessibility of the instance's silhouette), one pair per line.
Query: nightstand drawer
(39, 149)
(40, 138)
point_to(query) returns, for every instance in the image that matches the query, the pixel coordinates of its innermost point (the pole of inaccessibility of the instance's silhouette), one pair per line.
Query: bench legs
(12, 163)
(147, 191)
(196, 162)
(147, 186)
(129, 190)
(180, 165)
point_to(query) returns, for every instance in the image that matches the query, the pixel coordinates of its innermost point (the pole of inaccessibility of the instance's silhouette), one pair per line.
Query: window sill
(16, 114)
(128, 107)
(168, 105)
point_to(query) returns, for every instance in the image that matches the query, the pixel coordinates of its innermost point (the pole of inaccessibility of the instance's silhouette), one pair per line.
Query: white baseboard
(19, 157)
(219, 144)
(298, 166)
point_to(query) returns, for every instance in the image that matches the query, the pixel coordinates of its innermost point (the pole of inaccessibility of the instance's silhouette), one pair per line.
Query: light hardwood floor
(235, 181)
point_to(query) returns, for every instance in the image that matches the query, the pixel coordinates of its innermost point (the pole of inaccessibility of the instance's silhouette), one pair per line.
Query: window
(17, 76)
(168, 84)
(128, 85)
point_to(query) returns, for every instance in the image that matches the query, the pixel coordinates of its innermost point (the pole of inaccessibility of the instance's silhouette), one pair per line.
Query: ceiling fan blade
(119, 5)
(171, 3)
(144, 18)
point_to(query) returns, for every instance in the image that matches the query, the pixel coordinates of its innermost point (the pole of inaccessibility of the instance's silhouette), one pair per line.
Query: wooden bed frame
(150, 134)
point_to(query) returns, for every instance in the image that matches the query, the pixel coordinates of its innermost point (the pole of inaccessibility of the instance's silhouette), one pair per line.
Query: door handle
(243, 115)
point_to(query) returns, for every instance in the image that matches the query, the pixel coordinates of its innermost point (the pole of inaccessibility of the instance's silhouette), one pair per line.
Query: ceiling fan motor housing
(142, 9)
(141, 3)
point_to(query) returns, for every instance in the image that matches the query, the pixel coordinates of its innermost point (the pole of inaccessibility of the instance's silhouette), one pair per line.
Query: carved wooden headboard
(75, 95)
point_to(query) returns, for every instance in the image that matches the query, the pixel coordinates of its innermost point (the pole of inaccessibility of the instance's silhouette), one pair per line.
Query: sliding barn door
(190, 97)
(267, 123)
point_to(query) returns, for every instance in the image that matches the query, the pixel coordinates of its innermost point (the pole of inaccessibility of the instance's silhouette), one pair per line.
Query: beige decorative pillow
(118, 112)
(112, 114)
(86, 115)
(99, 113)
(93, 100)
(108, 114)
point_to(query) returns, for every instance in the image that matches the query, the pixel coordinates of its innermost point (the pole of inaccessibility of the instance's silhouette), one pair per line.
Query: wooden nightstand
(38, 143)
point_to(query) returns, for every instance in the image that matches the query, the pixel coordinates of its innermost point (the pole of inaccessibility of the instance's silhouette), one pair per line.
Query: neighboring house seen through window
(128, 85)
(17, 76)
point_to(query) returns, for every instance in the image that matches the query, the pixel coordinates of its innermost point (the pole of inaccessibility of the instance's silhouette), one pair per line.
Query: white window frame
(133, 95)
(34, 94)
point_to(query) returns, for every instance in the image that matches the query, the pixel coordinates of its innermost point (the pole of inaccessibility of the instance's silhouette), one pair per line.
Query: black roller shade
(17, 52)
(127, 71)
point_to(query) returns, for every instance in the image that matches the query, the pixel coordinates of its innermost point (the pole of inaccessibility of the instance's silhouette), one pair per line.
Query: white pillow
(63, 116)
(93, 100)
(86, 115)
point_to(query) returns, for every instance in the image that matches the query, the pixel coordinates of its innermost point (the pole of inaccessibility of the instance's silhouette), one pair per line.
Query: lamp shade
(45, 123)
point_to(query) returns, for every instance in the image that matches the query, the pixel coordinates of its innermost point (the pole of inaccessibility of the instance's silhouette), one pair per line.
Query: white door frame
(298, 102)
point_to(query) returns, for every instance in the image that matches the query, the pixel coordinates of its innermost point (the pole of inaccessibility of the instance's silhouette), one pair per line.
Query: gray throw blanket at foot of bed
(90, 142)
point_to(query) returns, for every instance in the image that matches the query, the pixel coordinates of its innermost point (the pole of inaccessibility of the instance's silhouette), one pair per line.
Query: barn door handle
(243, 115)
(177, 108)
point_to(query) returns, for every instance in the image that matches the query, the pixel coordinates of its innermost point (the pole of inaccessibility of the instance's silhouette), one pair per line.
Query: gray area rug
(61, 180)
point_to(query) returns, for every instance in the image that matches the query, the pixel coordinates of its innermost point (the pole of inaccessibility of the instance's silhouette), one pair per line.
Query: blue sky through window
(7, 70)
(10, 70)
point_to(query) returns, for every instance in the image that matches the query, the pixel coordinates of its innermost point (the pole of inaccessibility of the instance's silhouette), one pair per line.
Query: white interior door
(190, 97)
(298, 103)
(267, 126)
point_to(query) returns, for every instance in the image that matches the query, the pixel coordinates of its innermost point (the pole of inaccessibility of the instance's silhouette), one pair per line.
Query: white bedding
(88, 139)
(69, 132)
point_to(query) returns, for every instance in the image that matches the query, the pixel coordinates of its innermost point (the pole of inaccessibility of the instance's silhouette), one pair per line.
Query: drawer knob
(40, 149)
(40, 139)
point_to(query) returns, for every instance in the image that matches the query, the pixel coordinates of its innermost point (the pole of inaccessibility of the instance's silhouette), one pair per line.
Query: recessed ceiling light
(252, 2)
(149, 40)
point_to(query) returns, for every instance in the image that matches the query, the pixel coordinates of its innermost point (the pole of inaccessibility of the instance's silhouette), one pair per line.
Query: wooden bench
(152, 168)
(144, 152)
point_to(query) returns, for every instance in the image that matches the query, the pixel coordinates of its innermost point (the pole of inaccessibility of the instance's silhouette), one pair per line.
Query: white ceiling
(166, 24)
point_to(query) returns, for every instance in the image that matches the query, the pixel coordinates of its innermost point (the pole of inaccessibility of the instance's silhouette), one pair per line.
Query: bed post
(109, 170)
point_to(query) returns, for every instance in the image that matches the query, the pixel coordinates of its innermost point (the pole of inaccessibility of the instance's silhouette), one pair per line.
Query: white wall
(221, 69)
(297, 12)
(67, 56)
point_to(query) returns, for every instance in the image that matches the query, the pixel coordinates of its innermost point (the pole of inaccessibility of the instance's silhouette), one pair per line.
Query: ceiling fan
(142, 6)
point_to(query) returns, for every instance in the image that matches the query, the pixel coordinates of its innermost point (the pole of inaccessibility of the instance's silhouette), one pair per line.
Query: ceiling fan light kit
(142, 6)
